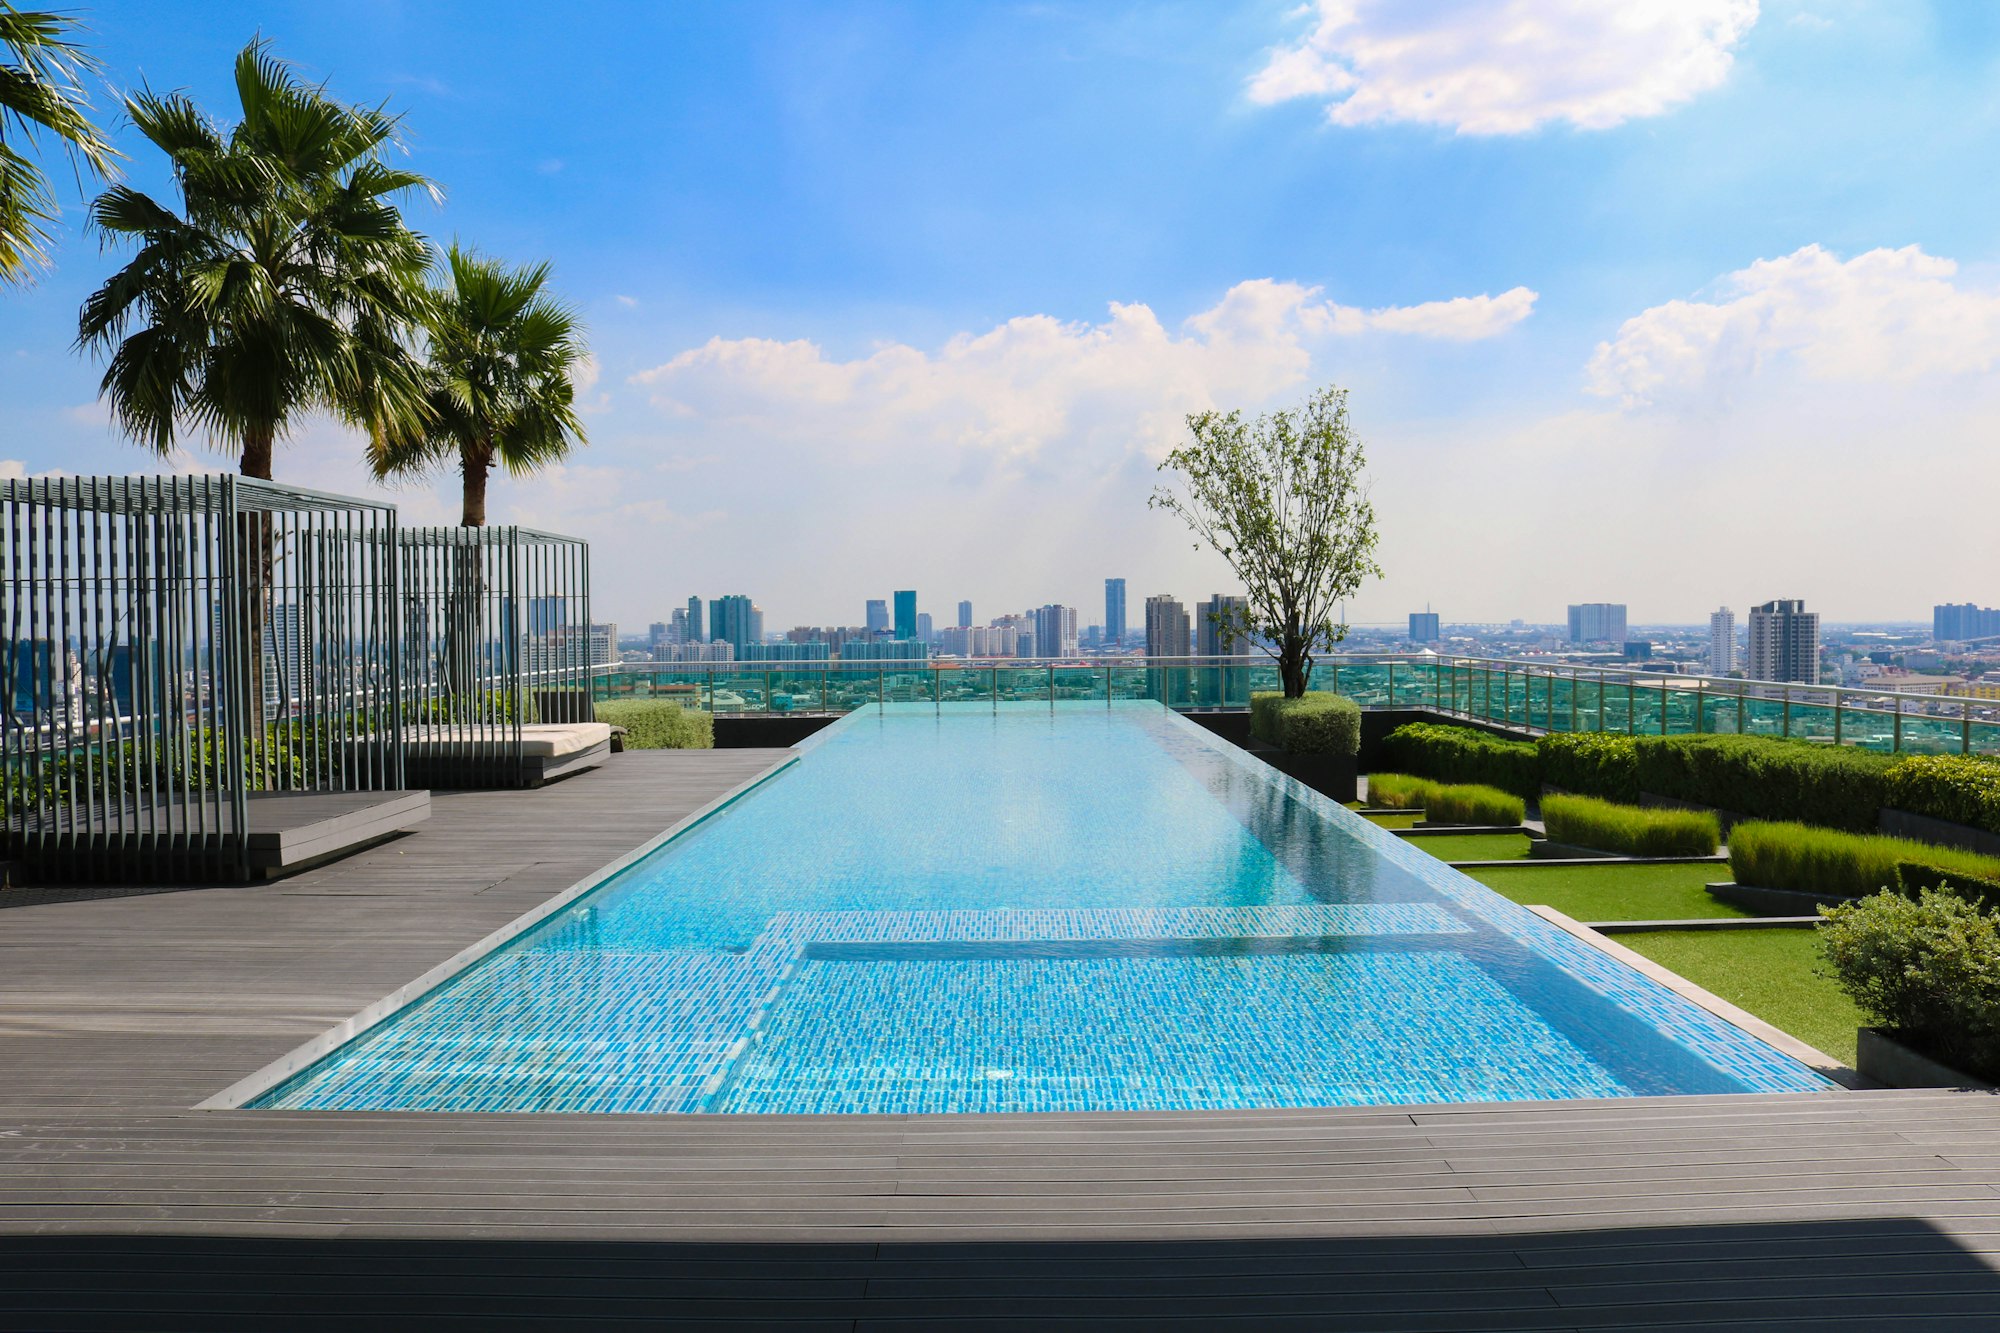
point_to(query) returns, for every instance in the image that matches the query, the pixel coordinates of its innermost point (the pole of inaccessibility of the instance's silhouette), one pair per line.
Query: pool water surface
(1027, 908)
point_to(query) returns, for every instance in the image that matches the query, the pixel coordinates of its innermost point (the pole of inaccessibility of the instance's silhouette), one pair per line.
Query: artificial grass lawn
(1474, 846)
(1771, 973)
(1398, 820)
(1611, 893)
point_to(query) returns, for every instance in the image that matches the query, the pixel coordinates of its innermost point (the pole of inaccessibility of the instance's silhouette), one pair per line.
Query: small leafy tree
(1281, 499)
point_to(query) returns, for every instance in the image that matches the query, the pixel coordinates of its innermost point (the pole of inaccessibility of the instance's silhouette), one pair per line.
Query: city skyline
(1638, 290)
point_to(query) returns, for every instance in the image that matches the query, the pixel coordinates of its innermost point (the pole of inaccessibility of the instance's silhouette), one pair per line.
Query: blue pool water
(1032, 908)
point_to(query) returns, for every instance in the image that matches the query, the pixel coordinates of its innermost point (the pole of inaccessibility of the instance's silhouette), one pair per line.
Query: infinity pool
(1084, 907)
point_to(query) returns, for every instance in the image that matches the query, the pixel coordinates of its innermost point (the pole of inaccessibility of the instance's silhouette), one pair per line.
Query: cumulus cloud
(1886, 316)
(1506, 66)
(1009, 393)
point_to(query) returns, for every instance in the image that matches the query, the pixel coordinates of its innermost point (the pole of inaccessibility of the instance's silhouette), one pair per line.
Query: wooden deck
(122, 1208)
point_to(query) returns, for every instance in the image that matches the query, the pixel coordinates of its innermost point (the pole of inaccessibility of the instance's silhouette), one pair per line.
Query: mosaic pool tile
(1029, 908)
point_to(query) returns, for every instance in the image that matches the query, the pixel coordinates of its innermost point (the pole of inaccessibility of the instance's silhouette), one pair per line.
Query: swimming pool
(1023, 908)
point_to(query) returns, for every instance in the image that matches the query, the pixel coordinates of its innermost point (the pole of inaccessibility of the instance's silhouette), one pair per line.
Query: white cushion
(539, 740)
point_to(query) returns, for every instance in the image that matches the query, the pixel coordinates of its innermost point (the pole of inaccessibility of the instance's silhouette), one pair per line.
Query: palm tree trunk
(476, 464)
(253, 592)
(467, 599)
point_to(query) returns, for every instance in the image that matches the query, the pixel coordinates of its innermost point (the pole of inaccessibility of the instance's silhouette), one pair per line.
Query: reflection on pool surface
(1084, 907)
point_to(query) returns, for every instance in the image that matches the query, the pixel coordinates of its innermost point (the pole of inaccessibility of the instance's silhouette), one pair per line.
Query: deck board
(121, 1207)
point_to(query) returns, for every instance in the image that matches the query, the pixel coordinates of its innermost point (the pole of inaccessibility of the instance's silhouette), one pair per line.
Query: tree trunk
(476, 464)
(1294, 667)
(253, 593)
(257, 445)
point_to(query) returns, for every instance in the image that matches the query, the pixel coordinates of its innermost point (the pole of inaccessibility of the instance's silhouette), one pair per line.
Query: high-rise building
(1955, 622)
(1055, 630)
(658, 635)
(785, 652)
(736, 622)
(1597, 622)
(603, 643)
(696, 633)
(886, 650)
(1167, 628)
(1424, 627)
(925, 629)
(906, 614)
(546, 615)
(1722, 641)
(965, 615)
(1218, 633)
(878, 615)
(678, 632)
(1022, 629)
(1114, 611)
(1784, 643)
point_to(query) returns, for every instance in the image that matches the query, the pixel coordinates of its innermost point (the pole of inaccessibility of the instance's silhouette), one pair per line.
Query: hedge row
(1958, 788)
(1316, 722)
(1399, 791)
(1852, 865)
(1460, 754)
(1927, 969)
(659, 724)
(1444, 803)
(1584, 821)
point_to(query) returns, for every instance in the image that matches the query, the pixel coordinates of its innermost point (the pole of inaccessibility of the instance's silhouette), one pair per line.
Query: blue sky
(850, 274)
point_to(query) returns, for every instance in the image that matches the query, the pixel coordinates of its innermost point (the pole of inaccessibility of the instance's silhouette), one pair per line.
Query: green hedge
(1473, 804)
(1835, 786)
(1927, 969)
(1263, 704)
(1592, 763)
(1958, 788)
(1460, 754)
(1316, 723)
(1399, 791)
(1850, 865)
(1585, 821)
(659, 724)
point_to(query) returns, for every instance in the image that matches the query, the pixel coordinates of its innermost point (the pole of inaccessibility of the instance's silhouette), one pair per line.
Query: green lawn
(1474, 846)
(1771, 973)
(1612, 893)
(1398, 820)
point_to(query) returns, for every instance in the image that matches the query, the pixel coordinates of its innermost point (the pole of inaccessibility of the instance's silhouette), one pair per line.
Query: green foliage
(1262, 705)
(1585, 821)
(1399, 791)
(1314, 723)
(659, 724)
(1592, 763)
(1461, 754)
(1848, 865)
(1832, 785)
(482, 706)
(1927, 969)
(291, 756)
(1281, 498)
(1473, 804)
(42, 94)
(1958, 788)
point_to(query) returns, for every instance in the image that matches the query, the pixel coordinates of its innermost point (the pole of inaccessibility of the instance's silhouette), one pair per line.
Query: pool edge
(239, 1094)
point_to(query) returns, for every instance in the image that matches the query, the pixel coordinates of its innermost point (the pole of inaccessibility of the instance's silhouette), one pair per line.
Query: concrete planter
(1774, 902)
(1939, 832)
(1887, 1061)
(1331, 775)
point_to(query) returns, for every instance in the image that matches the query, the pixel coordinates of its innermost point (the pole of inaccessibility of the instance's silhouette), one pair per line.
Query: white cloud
(1506, 66)
(1008, 394)
(629, 302)
(1883, 317)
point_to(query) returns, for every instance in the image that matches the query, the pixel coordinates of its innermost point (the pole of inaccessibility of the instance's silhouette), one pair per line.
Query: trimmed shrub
(1585, 821)
(1926, 969)
(1473, 804)
(1399, 791)
(1316, 723)
(659, 724)
(1849, 865)
(1835, 786)
(1957, 788)
(1460, 754)
(1592, 763)
(1262, 704)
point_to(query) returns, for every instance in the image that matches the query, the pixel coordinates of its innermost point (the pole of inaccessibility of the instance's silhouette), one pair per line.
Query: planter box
(1331, 775)
(1774, 902)
(1728, 819)
(1939, 832)
(1888, 1061)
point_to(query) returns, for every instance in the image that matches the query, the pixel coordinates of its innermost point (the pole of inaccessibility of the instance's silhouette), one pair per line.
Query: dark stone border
(1881, 1057)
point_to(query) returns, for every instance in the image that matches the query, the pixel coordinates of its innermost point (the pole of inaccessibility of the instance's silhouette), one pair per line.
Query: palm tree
(287, 283)
(41, 91)
(501, 355)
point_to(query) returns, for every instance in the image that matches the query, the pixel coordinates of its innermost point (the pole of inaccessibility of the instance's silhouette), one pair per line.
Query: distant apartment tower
(878, 615)
(695, 631)
(965, 615)
(658, 635)
(1218, 632)
(1114, 611)
(1597, 622)
(925, 629)
(1784, 643)
(1722, 641)
(1055, 630)
(1424, 627)
(737, 621)
(1955, 622)
(906, 615)
(1167, 628)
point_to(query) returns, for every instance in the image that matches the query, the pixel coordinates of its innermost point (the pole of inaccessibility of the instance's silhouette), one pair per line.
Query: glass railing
(1532, 697)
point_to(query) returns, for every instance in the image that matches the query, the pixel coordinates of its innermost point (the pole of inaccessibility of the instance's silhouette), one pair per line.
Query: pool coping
(239, 1094)
(1812, 1057)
